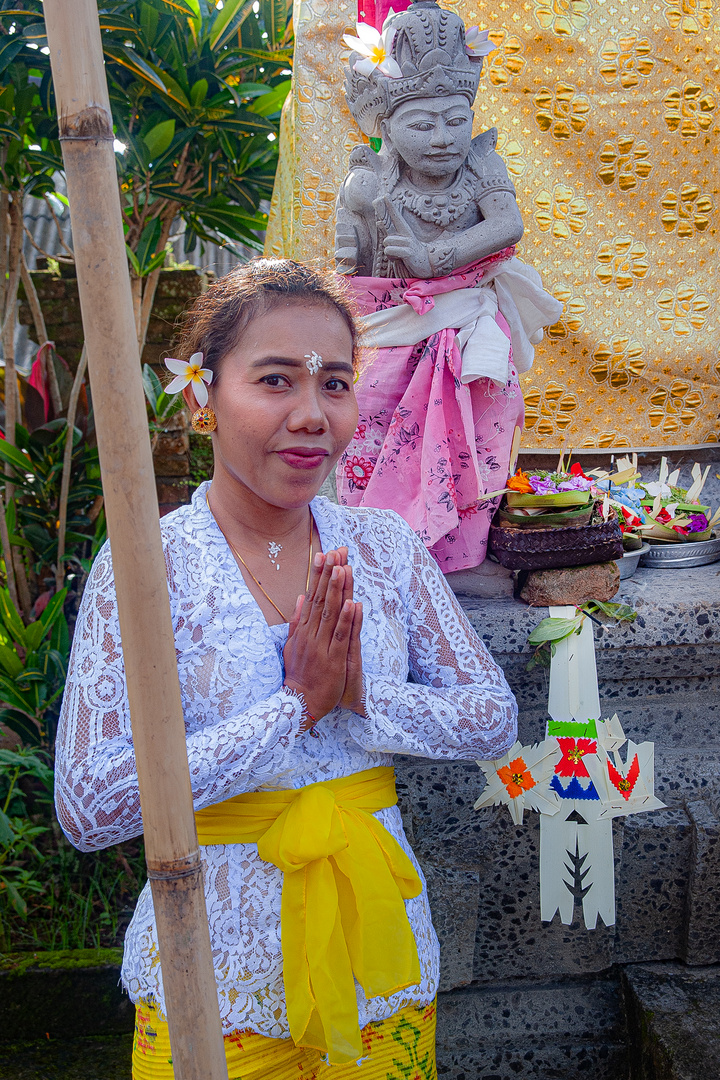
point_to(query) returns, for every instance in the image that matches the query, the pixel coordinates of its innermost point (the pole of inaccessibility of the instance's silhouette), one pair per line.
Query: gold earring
(204, 421)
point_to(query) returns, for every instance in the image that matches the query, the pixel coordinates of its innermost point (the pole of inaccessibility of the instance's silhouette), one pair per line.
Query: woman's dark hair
(216, 321)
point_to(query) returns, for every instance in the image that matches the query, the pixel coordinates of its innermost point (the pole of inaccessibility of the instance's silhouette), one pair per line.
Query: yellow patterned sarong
(343, 913)
(401, 1047)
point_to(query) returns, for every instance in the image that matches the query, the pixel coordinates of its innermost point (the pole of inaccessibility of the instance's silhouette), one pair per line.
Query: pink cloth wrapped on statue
(430, 443)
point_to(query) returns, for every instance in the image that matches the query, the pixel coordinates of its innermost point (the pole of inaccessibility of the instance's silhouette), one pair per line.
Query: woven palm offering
(659, 511)
(554, 519)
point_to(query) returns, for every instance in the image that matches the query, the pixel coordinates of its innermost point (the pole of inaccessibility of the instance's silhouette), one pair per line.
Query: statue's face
(431, 135)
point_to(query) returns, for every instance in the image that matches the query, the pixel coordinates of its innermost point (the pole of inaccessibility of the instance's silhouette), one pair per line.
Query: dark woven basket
(543, 549)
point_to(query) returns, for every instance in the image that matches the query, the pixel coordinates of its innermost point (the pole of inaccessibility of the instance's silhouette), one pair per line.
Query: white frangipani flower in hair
(189, 371)
(374, 47)
(476, 42)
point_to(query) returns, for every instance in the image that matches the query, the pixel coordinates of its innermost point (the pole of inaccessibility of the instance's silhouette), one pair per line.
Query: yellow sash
(345, 880)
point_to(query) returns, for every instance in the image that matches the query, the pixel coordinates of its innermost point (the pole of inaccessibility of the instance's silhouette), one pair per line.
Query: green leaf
(9, 48)
(198, 93)
(11, 618)
(15, 898)
(225, 16)
(133, 260)
(152, 387)
(34, 633)
(9, 133)
(159, 137)
(16, 458)
(10, 661)
(272, 101)
(53, 609)
(621, 612)
(554, 630)
(274, 15)
(7, 834)
(121, 54)
(147, 246)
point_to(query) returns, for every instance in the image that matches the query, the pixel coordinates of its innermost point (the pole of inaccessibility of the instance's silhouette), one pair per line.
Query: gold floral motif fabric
(608, 120)
(317, 134)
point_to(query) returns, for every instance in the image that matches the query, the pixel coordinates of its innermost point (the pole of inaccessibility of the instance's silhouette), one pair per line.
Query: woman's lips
(303, 457)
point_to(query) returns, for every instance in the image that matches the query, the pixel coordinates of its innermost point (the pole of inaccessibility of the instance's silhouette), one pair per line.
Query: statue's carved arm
(501, 227)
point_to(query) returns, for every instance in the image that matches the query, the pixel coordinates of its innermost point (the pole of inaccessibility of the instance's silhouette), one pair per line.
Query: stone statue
(425, 235)
(433, 199)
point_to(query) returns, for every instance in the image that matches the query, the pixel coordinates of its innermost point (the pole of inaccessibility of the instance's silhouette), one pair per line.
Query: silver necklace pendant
(273, 552)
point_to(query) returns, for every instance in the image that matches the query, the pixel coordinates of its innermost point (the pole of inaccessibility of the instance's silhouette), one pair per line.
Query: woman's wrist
(308, 721)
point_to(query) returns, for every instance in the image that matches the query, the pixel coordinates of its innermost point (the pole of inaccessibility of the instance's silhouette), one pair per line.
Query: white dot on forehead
(313, 361)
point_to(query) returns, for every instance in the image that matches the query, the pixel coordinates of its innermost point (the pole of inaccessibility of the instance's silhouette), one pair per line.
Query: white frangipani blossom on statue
(189, 371)
(374, 47)
(476, 42)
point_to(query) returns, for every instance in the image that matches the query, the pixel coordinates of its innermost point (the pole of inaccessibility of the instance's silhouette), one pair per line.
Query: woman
(297, 625)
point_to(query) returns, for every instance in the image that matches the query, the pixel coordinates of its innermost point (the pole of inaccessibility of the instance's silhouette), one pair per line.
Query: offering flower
(476, 42)
(543, 486)
(520, 482)
(190, 371)
(374, 47)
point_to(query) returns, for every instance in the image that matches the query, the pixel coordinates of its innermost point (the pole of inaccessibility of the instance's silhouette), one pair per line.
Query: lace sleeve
(459, 705)
(96, 787)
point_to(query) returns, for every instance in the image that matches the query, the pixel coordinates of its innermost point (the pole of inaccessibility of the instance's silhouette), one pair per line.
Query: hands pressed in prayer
(322, 654)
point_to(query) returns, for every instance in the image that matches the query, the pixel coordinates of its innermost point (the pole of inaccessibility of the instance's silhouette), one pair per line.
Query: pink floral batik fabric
(427, 445)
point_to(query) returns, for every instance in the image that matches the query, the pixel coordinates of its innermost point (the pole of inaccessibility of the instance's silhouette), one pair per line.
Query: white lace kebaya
(243, 731)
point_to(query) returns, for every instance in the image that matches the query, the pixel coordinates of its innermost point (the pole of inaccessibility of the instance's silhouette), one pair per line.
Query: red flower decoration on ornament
(573, 751)
(624, 784)
(358, 471)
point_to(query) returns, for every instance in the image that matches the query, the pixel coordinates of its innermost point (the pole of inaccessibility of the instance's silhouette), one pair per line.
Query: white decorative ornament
(578, 782)
(313, 361)
(273, 552)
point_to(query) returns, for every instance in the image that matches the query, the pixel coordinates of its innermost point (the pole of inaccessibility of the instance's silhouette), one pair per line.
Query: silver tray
(681, 556)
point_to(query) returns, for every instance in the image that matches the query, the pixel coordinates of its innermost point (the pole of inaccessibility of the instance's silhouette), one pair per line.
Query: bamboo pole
(172, 853)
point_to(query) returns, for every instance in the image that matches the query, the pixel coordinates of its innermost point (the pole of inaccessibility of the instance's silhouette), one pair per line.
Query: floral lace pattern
(243, 731)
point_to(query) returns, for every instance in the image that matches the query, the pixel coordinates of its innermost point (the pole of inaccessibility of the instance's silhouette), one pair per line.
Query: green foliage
(549, 632)
(195, 93)
(32, 514)
(161, 405)
(19, 831)
(33, 667)
(29, 147)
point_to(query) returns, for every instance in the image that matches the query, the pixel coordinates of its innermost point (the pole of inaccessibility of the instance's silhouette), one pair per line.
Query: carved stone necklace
(442, 208)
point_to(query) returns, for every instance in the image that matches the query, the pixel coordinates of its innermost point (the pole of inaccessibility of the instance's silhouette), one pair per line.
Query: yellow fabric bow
(345, 880)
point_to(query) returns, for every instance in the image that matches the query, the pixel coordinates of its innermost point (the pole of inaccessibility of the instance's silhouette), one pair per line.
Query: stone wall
(60, 302)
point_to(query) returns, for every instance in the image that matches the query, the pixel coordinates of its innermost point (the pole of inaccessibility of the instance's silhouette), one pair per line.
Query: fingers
(399, 223)
(337, 652)
(295, 617)
(354, 654)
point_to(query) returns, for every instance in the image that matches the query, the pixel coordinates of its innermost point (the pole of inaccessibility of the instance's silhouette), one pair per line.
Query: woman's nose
(308, 412)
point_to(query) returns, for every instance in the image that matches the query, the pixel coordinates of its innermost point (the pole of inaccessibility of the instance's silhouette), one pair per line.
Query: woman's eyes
(334, 385)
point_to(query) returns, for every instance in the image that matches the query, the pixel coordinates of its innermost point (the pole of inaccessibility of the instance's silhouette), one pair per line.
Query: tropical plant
(19, 829)
(33, 667)
(196, 89)
(33, 512)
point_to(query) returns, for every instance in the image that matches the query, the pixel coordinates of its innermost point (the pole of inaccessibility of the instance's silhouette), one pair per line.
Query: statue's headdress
(434, 59)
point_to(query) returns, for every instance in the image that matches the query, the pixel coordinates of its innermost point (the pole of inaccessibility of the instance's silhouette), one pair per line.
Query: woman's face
(281, 424)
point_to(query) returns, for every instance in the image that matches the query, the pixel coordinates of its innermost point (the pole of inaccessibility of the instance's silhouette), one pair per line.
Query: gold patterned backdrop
(608, 115)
